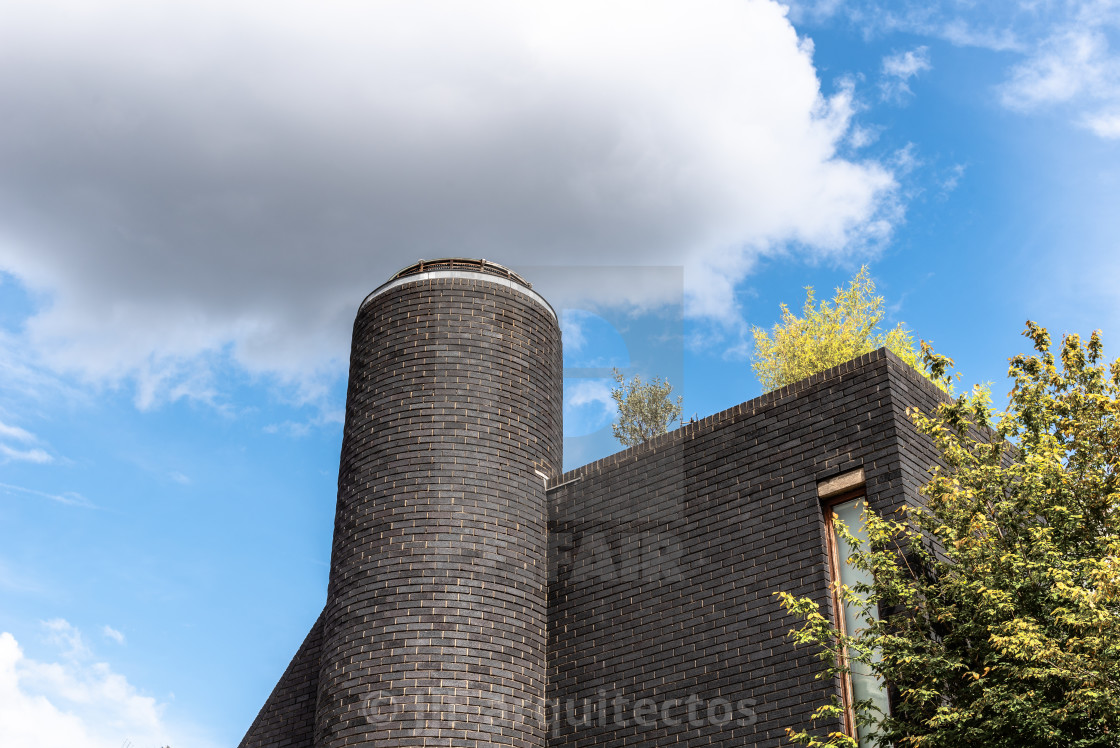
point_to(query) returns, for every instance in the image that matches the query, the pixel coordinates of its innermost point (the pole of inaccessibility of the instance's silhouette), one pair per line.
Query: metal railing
(459, 263)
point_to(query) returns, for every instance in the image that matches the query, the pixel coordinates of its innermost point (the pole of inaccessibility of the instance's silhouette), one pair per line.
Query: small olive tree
(828, 335)
(645, 410)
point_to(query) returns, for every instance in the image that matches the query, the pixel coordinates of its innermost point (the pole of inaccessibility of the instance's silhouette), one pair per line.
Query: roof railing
(460, 263)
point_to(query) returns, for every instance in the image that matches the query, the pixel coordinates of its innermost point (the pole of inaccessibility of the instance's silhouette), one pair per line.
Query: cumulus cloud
(187, 184)
(76, 700)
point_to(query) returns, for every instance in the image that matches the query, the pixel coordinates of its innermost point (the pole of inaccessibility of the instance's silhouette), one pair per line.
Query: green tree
(1000, 597)
(828, 335)
(645, 410)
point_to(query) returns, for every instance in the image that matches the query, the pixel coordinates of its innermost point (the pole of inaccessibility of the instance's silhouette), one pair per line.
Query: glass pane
(864, 684)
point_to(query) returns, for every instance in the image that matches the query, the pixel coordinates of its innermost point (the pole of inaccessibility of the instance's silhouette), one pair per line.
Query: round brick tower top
(459, 267)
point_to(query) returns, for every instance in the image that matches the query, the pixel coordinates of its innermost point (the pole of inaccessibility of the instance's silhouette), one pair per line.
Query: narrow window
(860, 684)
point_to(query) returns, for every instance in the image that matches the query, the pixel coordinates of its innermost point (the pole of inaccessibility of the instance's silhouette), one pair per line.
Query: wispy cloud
(66, 637)
(70, 498)
(181, 479)
(1059, 56)
(1103, 124)
(15, 433)
(19, 580)
(571, 326)
(35, 455)
(23, 377)
(1070, 63)
(9, 453)
(862, 136)
(987, 26)
(905, 159)
(1075, 67)
(111, 633)
(898, 69)
(300, 429)
(950, 179)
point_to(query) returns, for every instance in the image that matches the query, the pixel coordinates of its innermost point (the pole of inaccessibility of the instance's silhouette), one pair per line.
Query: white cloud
(300, 429)
(66, 637)
(571, 328)
(1074, 67)
(37, 456)
(16, 433)
(987, 26)
(862, 136)
(899, 68)
(1060, 55)
(952, 178)
(19, 580)
(237, 176)
(9, 453)
(1104, 124)
(592, 391)
(180, 478)
(905, 65)
(76, 701)
(1068, 64)
(112, 633)
(70, 498)
(588, 406)
(905, 159)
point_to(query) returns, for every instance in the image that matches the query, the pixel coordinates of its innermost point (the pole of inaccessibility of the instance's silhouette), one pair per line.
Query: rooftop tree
(827, 335)
(645, 409)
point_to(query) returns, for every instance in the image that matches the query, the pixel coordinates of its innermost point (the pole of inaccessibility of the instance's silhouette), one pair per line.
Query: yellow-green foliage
(1000, 597)
(645, 410)
(828, 335)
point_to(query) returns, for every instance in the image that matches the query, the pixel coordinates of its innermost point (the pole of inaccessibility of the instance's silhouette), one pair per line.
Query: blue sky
(194, 198)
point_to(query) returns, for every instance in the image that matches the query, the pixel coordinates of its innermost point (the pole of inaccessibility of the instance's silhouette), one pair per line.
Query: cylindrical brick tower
(436, 616)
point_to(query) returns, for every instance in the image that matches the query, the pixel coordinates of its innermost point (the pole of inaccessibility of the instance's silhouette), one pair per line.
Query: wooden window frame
(827, 506)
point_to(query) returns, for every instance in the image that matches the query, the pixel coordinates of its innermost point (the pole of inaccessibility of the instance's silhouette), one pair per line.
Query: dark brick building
(479, 597)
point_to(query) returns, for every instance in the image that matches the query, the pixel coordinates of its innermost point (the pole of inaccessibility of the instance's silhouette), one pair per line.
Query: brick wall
(665, 558)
